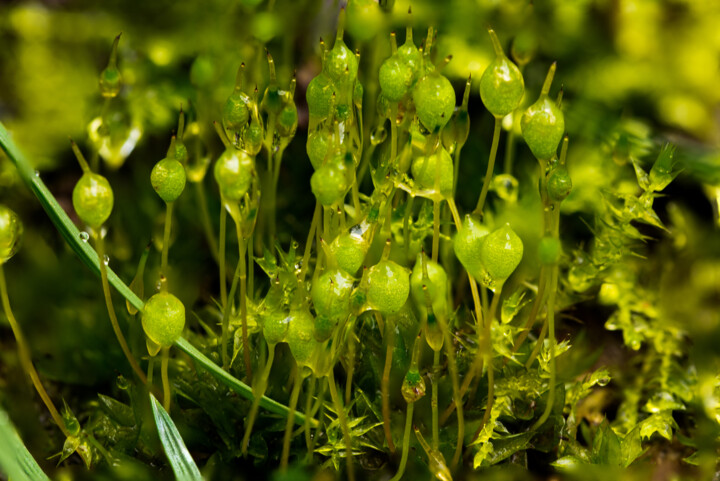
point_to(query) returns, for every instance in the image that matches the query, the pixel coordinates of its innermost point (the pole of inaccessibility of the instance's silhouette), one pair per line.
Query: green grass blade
(16, 462)
(179, 457)
(89, 257)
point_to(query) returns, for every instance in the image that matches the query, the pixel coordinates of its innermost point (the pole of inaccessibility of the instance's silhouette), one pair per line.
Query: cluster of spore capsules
(367, 266)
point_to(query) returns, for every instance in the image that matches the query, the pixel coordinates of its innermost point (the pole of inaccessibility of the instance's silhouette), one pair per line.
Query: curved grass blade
(89, 257)
(16, 462)
(179, 457)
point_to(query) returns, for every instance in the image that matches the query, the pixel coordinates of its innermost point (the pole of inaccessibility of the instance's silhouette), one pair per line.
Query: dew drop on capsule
(84, 236)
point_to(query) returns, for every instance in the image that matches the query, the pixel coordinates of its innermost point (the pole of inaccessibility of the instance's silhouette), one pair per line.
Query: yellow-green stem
(221, 254)
(166, 239)
(243, 300)
(294, 395)
(551, 339)
(385, 387)
(25, 358)
(434, 401)
(100, 245)
(343, 424)
(491, 166)
(258, 393)
(164, 375)
(406, 443)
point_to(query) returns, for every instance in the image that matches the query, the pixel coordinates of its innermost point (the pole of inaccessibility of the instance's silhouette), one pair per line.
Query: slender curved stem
(243, 300)
(343, 424)
(221, 255)
(258, 393)
(350, 363)
(406, 443)
(100, 244)
(539, 298)
(205, 219)
(436, 231)
(551, 338)
(487, 348)
(538, 346)
(434, 401)
(25, 358)
(165, 380)
(166, 240)
(385, 387)
(491, 166)
(297, 384)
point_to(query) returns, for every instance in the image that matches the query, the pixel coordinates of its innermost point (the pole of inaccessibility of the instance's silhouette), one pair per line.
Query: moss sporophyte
(405, 315)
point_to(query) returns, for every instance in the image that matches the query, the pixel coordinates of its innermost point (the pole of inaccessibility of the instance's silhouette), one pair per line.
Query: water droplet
(378, 136)
(506, 187)
(603, 381)
(37, 173)
(158, 285)
(84, 236)
(106, 260)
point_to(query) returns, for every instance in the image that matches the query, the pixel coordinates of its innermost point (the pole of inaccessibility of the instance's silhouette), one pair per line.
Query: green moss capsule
(439, 165)
(253, 137)
(413, 386)
(319, 96)
(287, 120)
(163, 319)
(324, 327)
(235, 111)
(331, 294)
(501, 85)
(559, 184)
(549, 250)
(349, 250)
(233, 173)
(318, 144)
(543, 123)
(110, 80)
(341, 64)
(11, 233)
(364, 19)
(93, 199)
(468, 243)
(329, 183)
(500, 253)
(168, 179)
(275, 324)
(434, 99)
(388, 287)
(301, 336)
(437, 287)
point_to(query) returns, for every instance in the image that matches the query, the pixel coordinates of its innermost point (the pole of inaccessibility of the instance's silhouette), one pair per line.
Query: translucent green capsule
(437, 287)
(501, 85)
(301, 337)
(11, 233)
(110, 80)
(409, 55)
(559, 184)
(341, 64)
(331, 295)
(543, 123)
(393, 78)
(287, 120)
(364, 19)
(425, 170)
(168, 179)
(468, 244)
(549, 250)
(434, 99)
(319, 96)
(253, 137)
(163, 319)
(93, 199)
(349, 251)
(275, 324)
(236, 112)
(233, 174)
(329, 183)
(500, 254)
(318, 144)
(388, 287)
(413, 386)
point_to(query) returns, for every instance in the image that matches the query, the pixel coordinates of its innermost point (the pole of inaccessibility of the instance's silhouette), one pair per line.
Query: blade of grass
(178, 455)
(16, 462)
(89, 257)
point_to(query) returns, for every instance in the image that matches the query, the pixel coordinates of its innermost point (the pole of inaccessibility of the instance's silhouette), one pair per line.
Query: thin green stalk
(538, 346)
(434, 400)
(165, 356)
(243, 299)
(226, 319)
(551, 339)
(26, 358)
(491, 166)
(258, 392)
(294, 395)
(385, 387)
(166, 240)
(100, 244)
(350, 363)
(488, 353)
(406, 443)
(205, 219)
(221, 254)
(436, 230)
(343, 424)
(539, 299)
